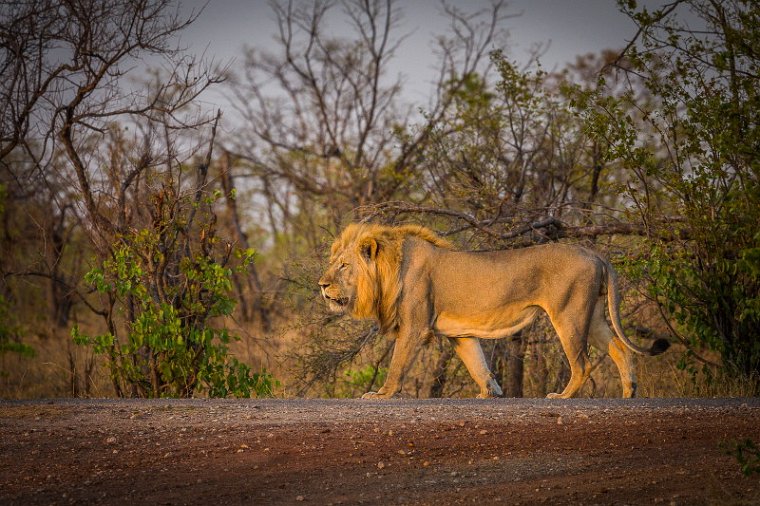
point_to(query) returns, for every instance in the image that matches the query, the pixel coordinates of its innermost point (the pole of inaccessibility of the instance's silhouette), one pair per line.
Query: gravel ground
(508, 451)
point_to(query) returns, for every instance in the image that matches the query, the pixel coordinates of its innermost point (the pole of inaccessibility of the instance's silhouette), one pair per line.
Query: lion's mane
(378, 281)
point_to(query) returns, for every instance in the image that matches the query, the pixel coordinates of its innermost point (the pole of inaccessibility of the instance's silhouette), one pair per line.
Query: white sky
(570, 27)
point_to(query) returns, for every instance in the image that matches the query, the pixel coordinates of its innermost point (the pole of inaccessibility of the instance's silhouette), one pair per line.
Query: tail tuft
(659, 346)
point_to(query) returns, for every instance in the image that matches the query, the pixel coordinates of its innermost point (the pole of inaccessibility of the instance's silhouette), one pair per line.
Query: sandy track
(433, 452)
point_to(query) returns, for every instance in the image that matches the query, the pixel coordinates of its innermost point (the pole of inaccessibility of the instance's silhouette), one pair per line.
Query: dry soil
(437, 452)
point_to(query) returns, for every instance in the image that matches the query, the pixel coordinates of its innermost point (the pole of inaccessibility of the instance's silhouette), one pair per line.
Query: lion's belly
(485, 326)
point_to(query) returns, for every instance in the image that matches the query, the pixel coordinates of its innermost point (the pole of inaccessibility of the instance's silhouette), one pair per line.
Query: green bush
(164, 291)
(686, 130)
(747, 454)
(10, 341)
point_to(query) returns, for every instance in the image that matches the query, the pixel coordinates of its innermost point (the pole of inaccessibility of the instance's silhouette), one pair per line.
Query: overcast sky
(569, 27)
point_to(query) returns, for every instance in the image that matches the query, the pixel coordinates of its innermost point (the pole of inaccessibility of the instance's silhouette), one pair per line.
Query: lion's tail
(613, 306)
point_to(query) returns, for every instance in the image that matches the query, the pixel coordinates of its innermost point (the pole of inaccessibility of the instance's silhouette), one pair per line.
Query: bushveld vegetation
(149, 249)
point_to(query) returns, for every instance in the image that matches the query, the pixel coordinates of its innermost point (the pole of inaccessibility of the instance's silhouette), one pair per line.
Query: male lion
(414, 284)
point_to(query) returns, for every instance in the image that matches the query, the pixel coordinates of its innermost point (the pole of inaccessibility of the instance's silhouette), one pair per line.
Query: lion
(416, 285)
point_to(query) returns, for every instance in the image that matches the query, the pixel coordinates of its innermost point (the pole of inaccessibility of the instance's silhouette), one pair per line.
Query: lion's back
(478, 282)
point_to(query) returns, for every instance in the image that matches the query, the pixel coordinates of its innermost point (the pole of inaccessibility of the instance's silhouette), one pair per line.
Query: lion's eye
(343, 266)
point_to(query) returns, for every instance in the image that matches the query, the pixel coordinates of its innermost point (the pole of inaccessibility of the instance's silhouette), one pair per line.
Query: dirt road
(433, 452)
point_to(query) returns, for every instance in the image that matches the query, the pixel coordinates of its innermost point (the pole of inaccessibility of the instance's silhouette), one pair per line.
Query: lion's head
(362, 278)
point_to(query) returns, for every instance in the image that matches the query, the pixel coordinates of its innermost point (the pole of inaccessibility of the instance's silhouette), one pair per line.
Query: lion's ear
(368, 248)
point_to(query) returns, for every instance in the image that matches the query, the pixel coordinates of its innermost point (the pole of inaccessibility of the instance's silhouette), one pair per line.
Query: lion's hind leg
(573, 337)
(623, 358)
(602, 338)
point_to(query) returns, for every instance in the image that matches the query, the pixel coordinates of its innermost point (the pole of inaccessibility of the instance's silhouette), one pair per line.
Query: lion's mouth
(340, 301)
(336, 303)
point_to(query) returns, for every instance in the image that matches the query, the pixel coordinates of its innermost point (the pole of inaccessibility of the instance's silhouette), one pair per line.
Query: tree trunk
(507, 364)
(563, 374)
(540, 369)
(439, 373)
(512, 377)
(252, 280)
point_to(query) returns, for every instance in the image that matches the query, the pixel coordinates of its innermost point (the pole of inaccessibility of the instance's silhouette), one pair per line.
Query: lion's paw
(374, 395)
(491, 391)
(554, 396)
(380, 395)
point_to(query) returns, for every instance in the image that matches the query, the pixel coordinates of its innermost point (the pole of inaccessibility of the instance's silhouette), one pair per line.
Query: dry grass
(661, 377)
(57, 363)
(49, 372)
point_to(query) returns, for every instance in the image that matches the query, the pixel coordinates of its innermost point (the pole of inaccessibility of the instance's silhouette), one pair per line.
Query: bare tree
(66, 65)
(327, 129)
(328, 132)
(86, 130)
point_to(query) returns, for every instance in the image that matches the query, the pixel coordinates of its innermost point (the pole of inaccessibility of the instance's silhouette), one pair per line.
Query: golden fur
(378, 289)
(413, 283)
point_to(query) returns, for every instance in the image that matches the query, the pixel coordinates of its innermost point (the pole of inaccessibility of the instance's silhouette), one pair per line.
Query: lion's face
(338, 284)
(348, 283)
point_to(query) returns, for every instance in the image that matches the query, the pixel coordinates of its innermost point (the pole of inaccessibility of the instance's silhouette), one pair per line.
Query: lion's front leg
(403, 352)
(414, 326)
